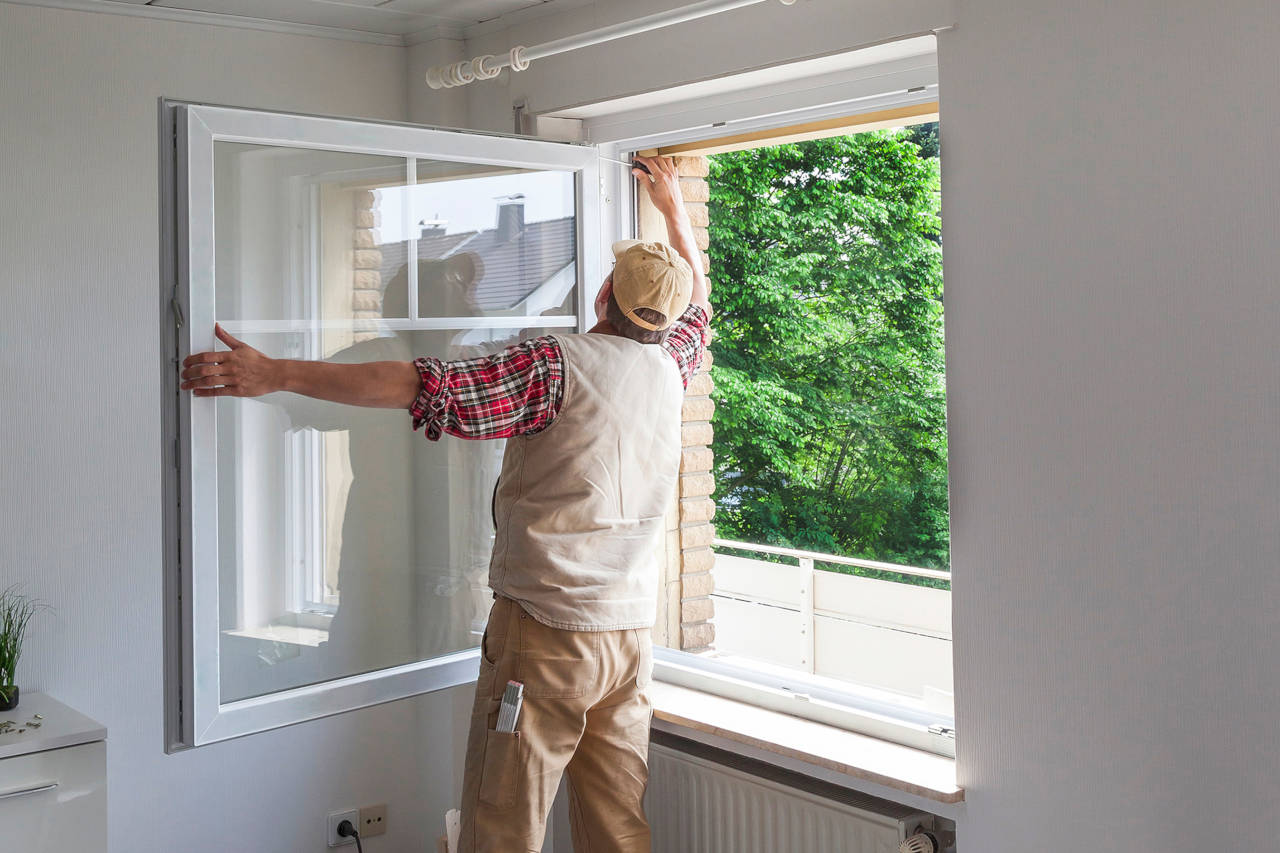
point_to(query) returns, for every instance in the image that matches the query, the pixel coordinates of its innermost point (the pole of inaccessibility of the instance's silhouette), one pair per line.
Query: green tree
(830, 426)
(926, 137)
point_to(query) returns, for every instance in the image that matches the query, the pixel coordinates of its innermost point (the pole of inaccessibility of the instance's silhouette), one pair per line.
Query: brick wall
(685, 605)
(366, 261)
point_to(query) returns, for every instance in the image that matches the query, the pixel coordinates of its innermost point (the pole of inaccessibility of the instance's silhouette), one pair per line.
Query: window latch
(178, 319)
(943, 731)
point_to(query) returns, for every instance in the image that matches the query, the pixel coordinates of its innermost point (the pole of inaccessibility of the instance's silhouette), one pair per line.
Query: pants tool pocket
(500, 776)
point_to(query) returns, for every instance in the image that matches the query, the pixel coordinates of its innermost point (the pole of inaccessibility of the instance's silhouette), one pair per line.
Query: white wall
(755, 37)
(80, 507)
(442, 108)
(1110, 198)
(1110, 191)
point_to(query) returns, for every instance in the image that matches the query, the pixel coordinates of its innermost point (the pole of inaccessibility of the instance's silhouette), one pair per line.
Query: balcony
(885, 632)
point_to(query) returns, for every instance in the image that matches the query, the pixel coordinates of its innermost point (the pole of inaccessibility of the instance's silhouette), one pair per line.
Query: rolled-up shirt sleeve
(688, 339)
(515, 392)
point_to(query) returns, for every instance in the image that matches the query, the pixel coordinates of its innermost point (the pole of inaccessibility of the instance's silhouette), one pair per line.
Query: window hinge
(943, 731)
(178, 318)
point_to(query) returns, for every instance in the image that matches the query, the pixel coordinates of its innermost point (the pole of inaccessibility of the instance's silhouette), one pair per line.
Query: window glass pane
(347, 542)
(299, 236)
(490, 241)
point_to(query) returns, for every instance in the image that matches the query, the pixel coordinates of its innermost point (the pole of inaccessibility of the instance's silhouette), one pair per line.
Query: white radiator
(703, 800)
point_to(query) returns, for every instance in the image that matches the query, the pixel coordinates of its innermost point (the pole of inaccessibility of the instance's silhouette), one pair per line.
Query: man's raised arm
(663, 184)
(242, 371)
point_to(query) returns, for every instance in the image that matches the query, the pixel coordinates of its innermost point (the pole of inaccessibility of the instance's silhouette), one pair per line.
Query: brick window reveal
(685, 608)
(366, 294)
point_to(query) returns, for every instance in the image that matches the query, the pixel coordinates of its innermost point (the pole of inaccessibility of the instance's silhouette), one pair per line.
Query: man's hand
(663, 183)
(240, 372)
(245, 372)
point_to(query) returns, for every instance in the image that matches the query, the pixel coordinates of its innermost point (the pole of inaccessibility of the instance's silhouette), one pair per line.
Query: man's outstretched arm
(514, 392)
(242, 371)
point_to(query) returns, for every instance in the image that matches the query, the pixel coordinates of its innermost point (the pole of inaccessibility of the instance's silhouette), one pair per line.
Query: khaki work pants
(585, 713)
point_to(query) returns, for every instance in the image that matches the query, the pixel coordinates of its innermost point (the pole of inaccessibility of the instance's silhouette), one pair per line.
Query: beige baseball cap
(651, 275)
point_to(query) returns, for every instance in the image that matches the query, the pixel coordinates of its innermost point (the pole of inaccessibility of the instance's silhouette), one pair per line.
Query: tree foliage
(830, 426)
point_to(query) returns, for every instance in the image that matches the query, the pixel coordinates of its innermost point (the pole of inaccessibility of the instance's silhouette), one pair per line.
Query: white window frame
(898, 83)
(195, 714)
(305, 543)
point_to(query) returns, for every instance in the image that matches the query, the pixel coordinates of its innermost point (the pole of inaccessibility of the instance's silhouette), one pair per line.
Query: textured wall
(80, 509)
(1110, 197)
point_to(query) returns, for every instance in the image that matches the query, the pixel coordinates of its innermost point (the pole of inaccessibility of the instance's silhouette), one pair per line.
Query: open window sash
(292, 167)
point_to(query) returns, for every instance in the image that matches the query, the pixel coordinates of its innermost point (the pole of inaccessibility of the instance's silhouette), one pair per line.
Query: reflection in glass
(347, 542)
(490, 241)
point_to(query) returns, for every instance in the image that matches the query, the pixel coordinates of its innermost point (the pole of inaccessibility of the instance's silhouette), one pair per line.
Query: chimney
(510, 217)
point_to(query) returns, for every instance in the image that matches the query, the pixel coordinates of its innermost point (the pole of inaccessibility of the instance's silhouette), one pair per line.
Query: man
(593, 423)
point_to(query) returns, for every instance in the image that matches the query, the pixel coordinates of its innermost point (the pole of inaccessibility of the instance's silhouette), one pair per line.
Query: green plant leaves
(16, 612)
(830, 422)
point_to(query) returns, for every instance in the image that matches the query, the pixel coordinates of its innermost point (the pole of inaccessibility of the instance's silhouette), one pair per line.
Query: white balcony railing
(878, 633)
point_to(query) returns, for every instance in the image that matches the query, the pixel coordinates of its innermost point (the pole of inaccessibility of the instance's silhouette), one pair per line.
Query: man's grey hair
(623, 326)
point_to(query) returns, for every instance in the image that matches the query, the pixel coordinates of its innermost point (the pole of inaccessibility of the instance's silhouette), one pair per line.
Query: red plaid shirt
(518, 391)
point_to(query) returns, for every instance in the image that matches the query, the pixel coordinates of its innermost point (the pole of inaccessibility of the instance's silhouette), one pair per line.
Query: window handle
(28, 791)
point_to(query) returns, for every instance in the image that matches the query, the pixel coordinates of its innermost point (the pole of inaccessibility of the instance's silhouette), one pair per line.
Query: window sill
(292, 635)
(870, 759)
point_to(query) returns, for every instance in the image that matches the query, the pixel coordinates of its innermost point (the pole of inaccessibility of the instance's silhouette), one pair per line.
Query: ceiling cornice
(434, 32)
(107, 7)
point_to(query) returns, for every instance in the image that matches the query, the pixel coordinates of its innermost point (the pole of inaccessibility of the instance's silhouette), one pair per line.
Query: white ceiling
(385, 21)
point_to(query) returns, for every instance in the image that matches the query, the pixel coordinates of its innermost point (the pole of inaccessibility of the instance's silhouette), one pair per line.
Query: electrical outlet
(336, 818)
(373, 820)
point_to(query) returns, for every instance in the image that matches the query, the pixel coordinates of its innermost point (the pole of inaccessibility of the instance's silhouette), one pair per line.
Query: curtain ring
(518, 62)
(462, 73)
(485, 68)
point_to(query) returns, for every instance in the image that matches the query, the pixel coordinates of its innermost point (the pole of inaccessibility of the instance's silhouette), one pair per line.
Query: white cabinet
(53, 781)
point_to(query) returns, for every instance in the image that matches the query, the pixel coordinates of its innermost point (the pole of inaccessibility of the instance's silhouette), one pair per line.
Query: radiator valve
(921, 842)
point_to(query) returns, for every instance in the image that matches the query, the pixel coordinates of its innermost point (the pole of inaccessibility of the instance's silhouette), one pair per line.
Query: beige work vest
(579, 507)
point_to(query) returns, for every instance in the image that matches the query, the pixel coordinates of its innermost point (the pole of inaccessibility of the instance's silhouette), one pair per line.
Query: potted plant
(16, 611)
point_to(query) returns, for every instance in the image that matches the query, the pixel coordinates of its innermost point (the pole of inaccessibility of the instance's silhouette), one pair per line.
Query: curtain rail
(488, 66)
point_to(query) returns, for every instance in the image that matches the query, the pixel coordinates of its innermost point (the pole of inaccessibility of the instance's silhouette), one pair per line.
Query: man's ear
(602, 298)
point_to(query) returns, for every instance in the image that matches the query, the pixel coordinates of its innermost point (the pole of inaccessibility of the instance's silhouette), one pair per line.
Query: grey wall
(80, 507)
(1110, 195)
